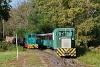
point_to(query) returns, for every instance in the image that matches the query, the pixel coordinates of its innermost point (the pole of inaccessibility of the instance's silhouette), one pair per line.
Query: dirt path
(26, 59)
(37, 58)
(49, 59)
(53, 61)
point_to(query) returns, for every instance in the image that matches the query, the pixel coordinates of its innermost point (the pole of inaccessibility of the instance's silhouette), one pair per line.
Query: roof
(44, 34)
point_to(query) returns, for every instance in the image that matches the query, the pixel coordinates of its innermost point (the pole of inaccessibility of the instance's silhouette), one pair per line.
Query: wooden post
(16, 47)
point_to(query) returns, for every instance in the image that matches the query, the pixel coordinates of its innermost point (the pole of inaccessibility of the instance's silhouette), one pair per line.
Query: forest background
(44, 16)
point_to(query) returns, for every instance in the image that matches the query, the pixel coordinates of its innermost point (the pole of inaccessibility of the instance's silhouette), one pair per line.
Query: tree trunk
(3, 28)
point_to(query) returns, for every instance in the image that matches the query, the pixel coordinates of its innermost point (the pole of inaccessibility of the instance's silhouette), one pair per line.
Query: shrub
(4, 46)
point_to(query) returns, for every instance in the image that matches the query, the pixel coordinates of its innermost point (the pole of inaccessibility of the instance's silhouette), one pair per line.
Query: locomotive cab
(30, 41)
(64, 41)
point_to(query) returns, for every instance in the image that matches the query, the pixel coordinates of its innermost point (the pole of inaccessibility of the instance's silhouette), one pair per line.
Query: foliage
(40, 23)
(44, 16)
(18, 20)
(53, 9)
(4, 46)
(21, 32)
(4, 9)
(80, 14)
(88, 23)
(4, 14)
(91, 58)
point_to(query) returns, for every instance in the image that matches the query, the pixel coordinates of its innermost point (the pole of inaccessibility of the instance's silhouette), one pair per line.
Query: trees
(84, 16)
(80, 14)
(4, 9)
(4, 14)
(86, 22)
(47, 15)
(18, 20)
(43, 16)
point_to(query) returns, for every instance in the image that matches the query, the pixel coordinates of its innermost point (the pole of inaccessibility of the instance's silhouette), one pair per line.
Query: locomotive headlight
(59, 38)
(72, 38)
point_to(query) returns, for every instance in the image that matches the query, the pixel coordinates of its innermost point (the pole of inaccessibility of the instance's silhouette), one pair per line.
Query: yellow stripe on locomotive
(32, 46)
(66, 52)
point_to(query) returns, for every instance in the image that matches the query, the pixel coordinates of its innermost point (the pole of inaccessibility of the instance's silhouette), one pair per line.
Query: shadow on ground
(81, 50)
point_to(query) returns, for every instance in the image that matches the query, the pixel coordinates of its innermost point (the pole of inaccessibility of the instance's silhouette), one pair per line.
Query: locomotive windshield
(31, 36)
(61, 33)
(69, 33)
(65, 33)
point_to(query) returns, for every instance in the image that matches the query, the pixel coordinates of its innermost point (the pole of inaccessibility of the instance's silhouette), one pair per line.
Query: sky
(15, 3)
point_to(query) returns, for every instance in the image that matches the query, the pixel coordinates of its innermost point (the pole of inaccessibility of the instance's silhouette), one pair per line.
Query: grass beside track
(6, 56)
(26, 58)
(91, 58)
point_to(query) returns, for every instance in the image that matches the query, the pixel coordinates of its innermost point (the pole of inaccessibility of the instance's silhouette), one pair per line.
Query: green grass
(8, 59)
(8, 56)
(91, 58)
(5, 56)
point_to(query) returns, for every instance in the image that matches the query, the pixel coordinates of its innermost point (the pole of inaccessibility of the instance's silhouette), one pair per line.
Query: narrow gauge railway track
(73, 62)
(52, 59)
(56, 61)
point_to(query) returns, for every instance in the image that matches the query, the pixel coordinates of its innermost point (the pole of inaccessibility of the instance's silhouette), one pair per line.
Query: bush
(4, 46)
